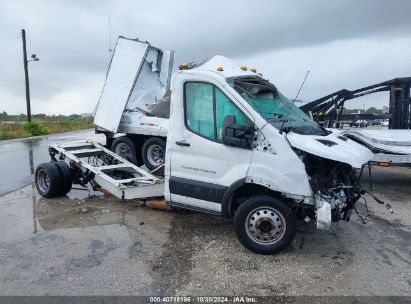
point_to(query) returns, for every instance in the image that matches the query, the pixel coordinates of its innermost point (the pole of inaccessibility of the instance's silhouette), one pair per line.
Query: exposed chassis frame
(78, 154)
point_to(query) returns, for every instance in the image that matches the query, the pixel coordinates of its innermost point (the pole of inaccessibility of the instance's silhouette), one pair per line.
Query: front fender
(282, 174)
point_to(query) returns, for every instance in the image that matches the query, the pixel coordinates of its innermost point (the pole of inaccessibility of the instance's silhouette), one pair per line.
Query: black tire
(154, 152)
(48, 180)
(131, 158)
(123, 145)
(67, 177)
(265, 224)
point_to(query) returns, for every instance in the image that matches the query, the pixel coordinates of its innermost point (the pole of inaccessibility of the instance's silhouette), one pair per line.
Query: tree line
(22, 117)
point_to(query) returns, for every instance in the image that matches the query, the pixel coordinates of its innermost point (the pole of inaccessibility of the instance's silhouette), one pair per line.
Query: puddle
(49, 241)
(19, 158)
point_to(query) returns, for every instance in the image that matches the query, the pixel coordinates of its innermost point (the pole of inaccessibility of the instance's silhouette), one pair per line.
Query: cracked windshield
(274, 107)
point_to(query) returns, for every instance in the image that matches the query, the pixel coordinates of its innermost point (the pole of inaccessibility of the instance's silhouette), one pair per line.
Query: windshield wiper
(277, 120)
(279, 116)
(317, 125)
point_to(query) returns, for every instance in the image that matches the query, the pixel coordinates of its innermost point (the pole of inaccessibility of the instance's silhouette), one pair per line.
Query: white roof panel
(231, 69)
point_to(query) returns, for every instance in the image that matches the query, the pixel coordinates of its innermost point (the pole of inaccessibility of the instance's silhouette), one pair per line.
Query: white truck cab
(235, 146)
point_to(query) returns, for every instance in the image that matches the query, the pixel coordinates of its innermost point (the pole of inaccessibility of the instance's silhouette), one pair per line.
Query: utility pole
(26, 75)
(26, 72)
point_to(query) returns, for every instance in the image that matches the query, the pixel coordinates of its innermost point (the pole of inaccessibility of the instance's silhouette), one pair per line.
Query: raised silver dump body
(135, 95)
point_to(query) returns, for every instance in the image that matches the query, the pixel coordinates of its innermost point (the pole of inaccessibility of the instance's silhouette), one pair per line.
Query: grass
(42, 127)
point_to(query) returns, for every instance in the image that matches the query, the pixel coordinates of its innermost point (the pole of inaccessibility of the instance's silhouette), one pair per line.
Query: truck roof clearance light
(254, 70)
(243, 67)
(260, 74)
(183, 66)
(220, 69)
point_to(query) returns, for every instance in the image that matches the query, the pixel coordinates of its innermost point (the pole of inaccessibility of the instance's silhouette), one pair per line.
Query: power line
(109, 35)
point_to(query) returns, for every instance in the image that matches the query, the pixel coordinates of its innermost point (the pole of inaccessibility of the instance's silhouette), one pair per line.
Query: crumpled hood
(332, 147)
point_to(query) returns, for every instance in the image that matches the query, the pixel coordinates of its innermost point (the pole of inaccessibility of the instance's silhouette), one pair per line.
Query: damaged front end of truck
(336, 188)
(333, 163)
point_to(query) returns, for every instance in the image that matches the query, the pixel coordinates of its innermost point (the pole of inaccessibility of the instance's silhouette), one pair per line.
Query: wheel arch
(242, 189)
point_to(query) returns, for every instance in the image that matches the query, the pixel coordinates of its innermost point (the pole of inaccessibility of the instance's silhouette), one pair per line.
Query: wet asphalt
(94, 244)
(18, 158)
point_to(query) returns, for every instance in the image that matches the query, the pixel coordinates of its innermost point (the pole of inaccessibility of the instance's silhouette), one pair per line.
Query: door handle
(183, 143)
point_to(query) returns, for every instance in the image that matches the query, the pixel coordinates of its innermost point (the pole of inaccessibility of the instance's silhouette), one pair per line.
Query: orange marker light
(183, 66)
(384, 164)
(254, 70)
(243, 67)
(220, 69)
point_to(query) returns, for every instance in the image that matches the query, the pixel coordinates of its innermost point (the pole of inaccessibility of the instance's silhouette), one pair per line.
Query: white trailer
(236, 147)
(133, 108)
(390, 147)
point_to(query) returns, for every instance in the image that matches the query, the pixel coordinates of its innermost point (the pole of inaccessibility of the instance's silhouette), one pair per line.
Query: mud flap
(324, 216)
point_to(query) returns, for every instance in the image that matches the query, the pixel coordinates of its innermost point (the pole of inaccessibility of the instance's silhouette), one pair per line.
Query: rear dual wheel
(128, 149)
(154, 151)
(53, 179)
(151, 154)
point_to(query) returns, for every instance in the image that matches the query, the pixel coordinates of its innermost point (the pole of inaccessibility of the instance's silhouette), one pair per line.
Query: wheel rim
(122, 149)
(265, 225)
(155, 155)
(43, 180)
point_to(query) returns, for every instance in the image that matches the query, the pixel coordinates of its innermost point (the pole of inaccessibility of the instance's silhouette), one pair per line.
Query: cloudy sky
(345, 44)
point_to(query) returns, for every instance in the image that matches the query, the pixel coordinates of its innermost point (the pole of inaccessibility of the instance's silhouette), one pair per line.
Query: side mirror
(228, 136)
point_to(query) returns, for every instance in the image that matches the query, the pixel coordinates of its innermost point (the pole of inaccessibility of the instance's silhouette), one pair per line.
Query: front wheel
(264, 224)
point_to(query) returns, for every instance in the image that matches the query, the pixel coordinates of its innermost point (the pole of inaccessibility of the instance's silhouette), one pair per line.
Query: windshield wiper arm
(277, 119)
(316, 124)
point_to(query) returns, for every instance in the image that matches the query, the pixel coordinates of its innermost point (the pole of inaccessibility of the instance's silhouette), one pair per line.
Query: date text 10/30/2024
(203, 299)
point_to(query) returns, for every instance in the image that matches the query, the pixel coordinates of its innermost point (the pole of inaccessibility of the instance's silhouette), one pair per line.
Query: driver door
(202, 167)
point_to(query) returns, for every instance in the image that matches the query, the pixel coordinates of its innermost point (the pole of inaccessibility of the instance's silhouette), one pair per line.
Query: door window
(205, 109)
(199, 108)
